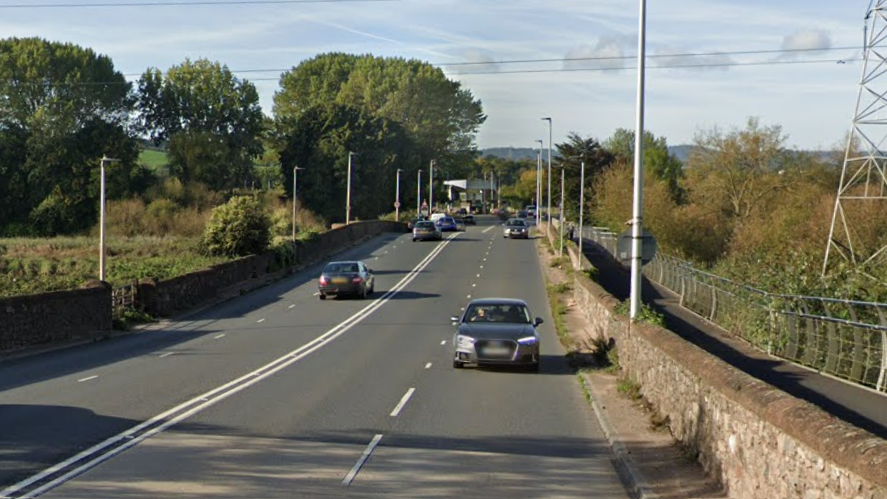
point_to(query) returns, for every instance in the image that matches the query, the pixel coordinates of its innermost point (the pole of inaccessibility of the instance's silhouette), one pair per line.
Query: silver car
(496, 331)
(516, 227)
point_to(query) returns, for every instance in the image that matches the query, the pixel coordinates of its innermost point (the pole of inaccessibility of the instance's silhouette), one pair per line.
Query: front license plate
(497, 351)
(339, 280)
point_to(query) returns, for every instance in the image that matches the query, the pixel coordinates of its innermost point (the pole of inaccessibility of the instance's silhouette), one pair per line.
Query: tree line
(63, 107)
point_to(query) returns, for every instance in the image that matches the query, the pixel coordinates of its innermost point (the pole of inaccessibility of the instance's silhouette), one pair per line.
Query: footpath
(650, 462)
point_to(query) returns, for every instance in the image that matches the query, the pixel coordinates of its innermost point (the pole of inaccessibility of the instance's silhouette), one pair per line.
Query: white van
(437, 216)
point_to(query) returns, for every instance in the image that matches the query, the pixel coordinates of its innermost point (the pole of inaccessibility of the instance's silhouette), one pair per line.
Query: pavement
(651, 463)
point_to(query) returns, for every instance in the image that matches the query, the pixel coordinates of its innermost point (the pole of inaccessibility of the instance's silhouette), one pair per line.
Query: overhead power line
(178, 3)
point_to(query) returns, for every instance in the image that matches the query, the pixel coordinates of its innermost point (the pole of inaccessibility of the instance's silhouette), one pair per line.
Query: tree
(239, 227)
(571, 155)
(212, 120)
(62, 107)
(658, 161)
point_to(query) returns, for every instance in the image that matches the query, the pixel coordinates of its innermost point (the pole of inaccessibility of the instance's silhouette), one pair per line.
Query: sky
(581, 55)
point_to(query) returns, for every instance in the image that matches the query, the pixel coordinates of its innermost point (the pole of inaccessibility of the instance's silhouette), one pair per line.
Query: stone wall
(27, 321)
(54, 317)
(759, 442)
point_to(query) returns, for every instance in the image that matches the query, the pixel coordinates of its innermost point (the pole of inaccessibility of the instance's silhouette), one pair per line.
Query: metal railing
(843, 338)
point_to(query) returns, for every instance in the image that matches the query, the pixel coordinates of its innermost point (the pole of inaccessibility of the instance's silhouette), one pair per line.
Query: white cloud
(607, 54)
(682, 60)
(807, 39)
(477, 61)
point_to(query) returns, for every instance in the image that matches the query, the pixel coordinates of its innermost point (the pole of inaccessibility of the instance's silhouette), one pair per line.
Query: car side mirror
(538, 321)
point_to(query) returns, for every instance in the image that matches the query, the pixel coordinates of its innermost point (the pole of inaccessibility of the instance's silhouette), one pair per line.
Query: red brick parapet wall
(759, 442)
(63, 316)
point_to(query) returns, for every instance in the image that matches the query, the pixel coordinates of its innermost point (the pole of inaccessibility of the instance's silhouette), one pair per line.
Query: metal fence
(843, 338)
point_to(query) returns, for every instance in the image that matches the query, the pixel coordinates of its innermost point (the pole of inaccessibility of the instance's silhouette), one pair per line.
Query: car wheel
(322, 296)
(373, 288)
(457, 364)
(414, 239)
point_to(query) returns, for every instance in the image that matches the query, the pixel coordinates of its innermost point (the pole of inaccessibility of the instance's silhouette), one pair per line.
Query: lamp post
(105, 160)
(539, 183)
(431, 187)
(295, 197)
(397, 198)
(348, 196)
(549, 168)
(419, 193)
(561, 215)
(581, 207)
(637, 228)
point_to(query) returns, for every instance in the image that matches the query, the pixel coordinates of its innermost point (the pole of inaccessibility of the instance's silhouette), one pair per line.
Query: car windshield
(519, 223)
(341, 268)
(510, 313)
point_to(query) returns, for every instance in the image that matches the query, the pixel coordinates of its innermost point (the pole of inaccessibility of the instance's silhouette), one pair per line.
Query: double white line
(82, 462)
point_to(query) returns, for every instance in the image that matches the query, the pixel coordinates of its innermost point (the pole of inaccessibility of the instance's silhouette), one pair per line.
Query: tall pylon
(864, 176)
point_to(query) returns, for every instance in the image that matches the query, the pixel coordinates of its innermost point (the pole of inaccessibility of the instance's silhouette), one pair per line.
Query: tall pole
(637, 228)
(397, 198)
(348, 197)
(539, 183)
(549, 169)
(104, 161)
(561, 215)
(491, 191)
(295, 197)
(419, 193)
(431, 187)
(581, 208)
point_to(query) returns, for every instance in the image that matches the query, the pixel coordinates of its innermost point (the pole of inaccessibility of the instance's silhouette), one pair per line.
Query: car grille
(495, 349)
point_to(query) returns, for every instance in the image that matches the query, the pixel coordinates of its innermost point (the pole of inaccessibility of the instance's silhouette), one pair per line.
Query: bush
(239, 227)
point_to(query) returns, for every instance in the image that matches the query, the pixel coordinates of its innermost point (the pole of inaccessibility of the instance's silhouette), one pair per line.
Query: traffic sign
(623, 247)
(397, 204)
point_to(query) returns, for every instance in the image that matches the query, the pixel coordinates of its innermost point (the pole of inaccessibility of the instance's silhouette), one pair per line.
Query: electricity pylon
(864, 177)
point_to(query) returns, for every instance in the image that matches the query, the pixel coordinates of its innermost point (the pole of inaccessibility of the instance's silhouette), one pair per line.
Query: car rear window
(425, 224)
(340, 268)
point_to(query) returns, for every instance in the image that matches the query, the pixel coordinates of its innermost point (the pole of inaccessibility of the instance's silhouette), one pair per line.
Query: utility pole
(295, 197)
(397, 198)
(104, 161)
(431, 187)
(637, 225)
(419, 193)
(348, 197)
(549, 168)
(539, 183)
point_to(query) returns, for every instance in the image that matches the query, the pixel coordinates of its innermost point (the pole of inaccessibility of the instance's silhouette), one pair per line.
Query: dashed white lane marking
(261, 320)
(402, 403)
(363, 458)
(481, 266)
(444, 342)
(292, 306)
(428, 365)
(473, 285)
(485, 259)
(469, 297)
(488, 229)
(478, 275)
(87, 379)
(220, 336)
(167, 354)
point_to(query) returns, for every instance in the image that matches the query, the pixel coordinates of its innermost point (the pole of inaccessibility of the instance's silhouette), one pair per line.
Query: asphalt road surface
(279, 394)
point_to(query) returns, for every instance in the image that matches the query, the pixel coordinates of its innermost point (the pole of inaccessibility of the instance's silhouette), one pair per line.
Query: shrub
(237, 228)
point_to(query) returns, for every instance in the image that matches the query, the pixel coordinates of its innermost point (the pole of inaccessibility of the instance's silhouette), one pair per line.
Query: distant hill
(515, 153)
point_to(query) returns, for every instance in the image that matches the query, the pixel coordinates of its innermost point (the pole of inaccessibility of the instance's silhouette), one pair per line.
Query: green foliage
(124, 319)
(647, 314)
(571, 155)
(629, 389)
(664, 166)
(240, 227)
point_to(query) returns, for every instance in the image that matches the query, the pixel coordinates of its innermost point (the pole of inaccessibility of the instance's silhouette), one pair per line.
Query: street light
(105, 160)
(581, 207)
(637, 228)
(549, 168)
(539, 183)
(561, 215)
(419, 193)
(348, 197)
(397, 198)
(431, 187)
(295, 197)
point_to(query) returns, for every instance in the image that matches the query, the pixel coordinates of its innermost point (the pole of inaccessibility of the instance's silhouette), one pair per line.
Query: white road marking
(363, 458)
(428, 365)
(87, 379)
(485, 259)
(402, 403)
(261, 320)
(105, 450)
(292, 306)
(444, 342)
(167, 354)
(473, 285)
(478, 275)
(488, 229)
(481, 266)
(469, 297)
(220, 336)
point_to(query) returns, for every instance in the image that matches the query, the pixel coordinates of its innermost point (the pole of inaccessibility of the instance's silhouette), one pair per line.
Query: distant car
(469, 220)
(516, 228)
(426, 230)
(446, 224)
(412, 222)
(531, 210)
(496, 331)
(522, 214)
(346, 278)
(462, 211)
(460, 223)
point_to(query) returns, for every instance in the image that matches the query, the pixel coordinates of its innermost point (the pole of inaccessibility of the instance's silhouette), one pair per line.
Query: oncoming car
(496, 331)
(346, 278)
(516, 227)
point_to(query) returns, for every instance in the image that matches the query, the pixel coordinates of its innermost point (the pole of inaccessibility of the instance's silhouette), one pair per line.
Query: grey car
(496, 331)
(346, 278)
(516, 228)
(426, 230)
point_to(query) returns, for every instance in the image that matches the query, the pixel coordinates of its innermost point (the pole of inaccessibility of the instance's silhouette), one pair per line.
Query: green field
(36, 265)
(155, 160)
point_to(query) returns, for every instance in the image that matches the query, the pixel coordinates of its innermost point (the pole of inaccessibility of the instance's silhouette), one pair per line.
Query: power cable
(179, 3)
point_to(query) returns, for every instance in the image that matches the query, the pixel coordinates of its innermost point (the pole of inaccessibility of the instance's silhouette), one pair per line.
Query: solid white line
(428, 365)
(261, 320)
(167, 354)
(363, 458)
(86, 379)
(403, 402)
(218, 337)
(208, 399)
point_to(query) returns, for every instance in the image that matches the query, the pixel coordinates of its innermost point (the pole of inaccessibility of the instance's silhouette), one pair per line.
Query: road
(277, 394)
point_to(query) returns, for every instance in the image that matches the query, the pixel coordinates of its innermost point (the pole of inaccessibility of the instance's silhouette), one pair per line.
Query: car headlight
(529, 340)
(464, 341)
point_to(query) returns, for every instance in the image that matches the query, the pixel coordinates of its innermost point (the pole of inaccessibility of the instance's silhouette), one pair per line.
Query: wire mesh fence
(843, 338)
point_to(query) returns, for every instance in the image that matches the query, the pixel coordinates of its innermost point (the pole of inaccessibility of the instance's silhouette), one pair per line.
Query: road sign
(623, 247)
(397, 204)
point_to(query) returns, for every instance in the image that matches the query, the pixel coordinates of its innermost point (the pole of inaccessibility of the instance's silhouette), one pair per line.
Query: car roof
(497, 301)
(345, 261)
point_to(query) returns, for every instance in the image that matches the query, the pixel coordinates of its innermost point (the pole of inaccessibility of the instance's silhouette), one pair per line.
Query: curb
(631, 478)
